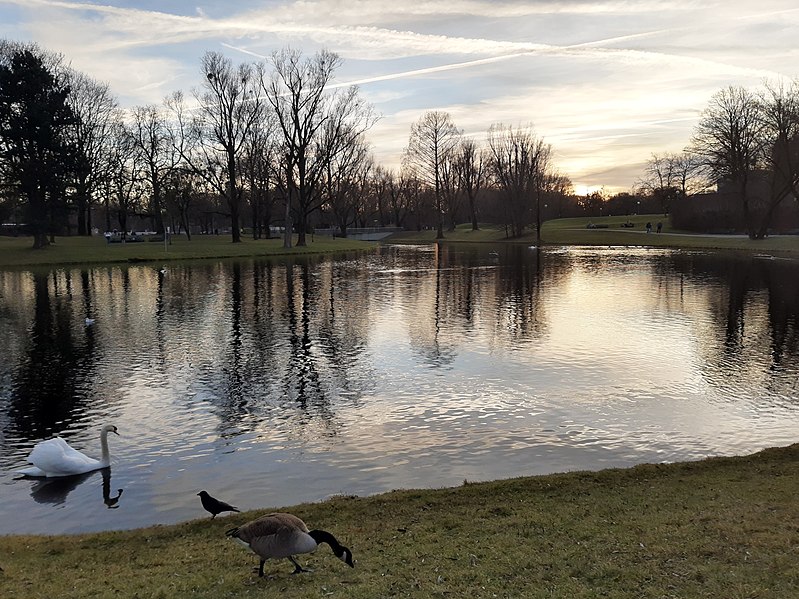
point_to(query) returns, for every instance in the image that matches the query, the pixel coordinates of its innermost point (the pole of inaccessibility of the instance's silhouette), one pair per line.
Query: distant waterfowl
(55, 457)
(214, 506)
(284, 535)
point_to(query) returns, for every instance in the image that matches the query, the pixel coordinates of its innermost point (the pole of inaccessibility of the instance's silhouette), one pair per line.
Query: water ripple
(409, 367)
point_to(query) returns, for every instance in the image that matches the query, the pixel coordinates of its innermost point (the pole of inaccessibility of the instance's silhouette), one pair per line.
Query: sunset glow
(606, 83)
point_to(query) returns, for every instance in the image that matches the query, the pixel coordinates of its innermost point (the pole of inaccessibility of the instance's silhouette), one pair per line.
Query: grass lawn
(94, 250)
(574, 231)
(722, 527)
(17, 252)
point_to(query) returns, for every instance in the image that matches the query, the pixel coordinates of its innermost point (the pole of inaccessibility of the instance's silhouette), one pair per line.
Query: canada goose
(214, 506)
(284, 535)
(55, 457)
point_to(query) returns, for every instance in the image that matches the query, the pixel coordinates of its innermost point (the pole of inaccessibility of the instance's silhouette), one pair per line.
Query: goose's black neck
(322, 536)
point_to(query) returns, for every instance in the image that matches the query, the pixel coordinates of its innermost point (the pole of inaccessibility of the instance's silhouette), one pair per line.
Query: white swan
(55, 457)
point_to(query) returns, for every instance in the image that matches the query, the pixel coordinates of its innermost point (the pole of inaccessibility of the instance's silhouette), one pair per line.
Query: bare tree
(260, 170)
(728, 140)
(313, 123)
(229, 109)
(397, 196)
(779, 112)
(470, 166)
(346, 182)
(520, 163)
(417, 199)
(96, 112)
(558, 189)
(669, 176)
(344, 151)
(451, 200)
(433, 140)
(687, 175)
(296, 91)
(156, 155)
(380, 180)
(124, 181)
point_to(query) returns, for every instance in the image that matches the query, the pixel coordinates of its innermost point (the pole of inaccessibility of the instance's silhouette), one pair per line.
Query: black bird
(284, 535)
(214, 506)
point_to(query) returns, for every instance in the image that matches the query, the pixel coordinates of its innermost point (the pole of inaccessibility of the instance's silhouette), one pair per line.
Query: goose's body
(55, 457)
(282, 535)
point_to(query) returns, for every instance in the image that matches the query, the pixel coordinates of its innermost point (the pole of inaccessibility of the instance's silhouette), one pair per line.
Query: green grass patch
(94, 250)
(486, 233)
(574, 231)
(722, 527)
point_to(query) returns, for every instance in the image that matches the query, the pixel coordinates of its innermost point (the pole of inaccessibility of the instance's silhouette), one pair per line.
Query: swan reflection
(55, 490)
(111, 502)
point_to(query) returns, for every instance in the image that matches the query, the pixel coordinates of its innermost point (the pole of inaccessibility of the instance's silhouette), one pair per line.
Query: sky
(607, 83)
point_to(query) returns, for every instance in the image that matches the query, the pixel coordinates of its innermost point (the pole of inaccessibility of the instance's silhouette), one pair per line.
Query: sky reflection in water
(270, 383)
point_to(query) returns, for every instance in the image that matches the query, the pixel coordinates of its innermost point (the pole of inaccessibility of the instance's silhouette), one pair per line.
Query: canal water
(273, 382)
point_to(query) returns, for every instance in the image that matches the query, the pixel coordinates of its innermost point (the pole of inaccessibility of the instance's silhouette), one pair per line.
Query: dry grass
(724, 527)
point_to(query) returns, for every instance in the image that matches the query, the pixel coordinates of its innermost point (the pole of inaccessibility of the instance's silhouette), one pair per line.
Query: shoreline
(335, 497)
(16, 253)
(699, 528)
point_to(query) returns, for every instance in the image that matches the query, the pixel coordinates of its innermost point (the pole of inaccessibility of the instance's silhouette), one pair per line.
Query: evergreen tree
(36, 158)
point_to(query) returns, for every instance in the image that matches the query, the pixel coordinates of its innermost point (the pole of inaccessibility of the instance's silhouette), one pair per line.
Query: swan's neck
(105, 458)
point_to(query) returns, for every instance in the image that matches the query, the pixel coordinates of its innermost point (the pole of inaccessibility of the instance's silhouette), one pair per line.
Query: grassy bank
(15, 252)
(574, 231)
(724, 527)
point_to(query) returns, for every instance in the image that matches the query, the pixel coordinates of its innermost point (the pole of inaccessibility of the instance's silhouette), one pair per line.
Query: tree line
(253, 145)
(747, 144)
(275, 145)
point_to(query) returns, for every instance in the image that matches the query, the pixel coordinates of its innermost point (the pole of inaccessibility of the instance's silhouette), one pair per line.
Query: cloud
(607, 83)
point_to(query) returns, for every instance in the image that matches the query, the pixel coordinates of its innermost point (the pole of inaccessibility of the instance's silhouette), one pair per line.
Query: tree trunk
(184, 218)
(473, 212)
(302, 226)
(287, 223)
(81, 206)
(234, 200)
(40, 240)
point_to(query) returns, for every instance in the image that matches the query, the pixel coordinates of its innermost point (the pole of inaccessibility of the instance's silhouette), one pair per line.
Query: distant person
(648, 227)
(660, 227)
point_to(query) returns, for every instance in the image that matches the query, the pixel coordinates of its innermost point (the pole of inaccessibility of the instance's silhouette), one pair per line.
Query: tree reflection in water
(443, 361)
(57, 359)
